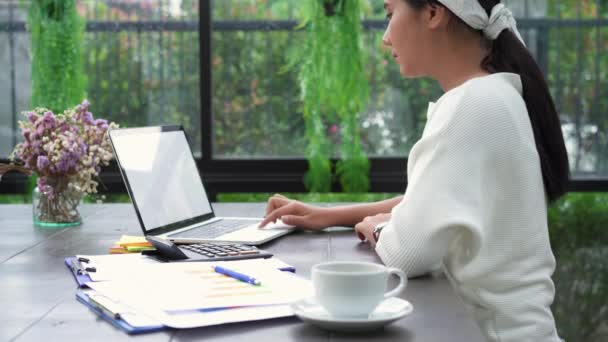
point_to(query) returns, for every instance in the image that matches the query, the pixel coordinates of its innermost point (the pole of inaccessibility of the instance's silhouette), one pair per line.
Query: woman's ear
(438, 16)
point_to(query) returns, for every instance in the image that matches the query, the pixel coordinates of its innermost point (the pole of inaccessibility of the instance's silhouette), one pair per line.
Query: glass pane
(15, 73)
(578, 65)
(257, 110)
(247, 10)
(255, 107)
(140, 58)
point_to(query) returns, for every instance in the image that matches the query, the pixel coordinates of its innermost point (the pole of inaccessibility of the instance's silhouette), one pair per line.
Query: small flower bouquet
(66, 151)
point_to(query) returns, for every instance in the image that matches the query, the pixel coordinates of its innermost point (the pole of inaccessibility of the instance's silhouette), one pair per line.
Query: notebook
(168, 192)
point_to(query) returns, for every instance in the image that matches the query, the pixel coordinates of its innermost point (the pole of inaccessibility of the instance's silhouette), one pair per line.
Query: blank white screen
(162, 175)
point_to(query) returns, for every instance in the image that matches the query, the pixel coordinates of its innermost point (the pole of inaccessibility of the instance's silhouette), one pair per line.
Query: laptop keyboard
(215, 250)
(212, 230)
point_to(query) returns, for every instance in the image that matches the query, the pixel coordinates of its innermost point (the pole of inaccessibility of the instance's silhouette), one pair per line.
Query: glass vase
(55, 204)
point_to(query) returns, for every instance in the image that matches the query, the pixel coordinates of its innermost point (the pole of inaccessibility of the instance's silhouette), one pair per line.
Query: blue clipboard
(82, 297)
(80, 274)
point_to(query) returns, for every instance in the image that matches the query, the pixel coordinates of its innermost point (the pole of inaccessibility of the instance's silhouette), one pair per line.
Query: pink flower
(45, 188)
(39, 131)
(26, 133)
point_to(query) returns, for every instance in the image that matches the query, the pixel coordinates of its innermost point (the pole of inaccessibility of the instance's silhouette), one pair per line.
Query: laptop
(168, 192)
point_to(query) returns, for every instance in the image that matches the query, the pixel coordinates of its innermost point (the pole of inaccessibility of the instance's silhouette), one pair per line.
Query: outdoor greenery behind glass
(148, 74)
(256, 104)
(257, 111)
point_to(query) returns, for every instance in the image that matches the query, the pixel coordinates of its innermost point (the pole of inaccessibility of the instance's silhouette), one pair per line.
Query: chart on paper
(196, 286)
(221, 286)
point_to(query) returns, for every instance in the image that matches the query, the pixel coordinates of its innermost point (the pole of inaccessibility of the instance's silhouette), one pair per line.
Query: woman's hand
(365, 228)
(295, 213)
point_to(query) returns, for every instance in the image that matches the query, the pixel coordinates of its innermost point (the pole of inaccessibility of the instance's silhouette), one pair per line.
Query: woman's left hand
(365, 228)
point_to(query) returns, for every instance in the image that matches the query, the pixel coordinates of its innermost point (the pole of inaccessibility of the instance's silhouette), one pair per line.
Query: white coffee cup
(353, 289)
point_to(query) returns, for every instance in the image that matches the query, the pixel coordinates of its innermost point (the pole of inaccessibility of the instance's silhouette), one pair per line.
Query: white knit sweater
(475, 204)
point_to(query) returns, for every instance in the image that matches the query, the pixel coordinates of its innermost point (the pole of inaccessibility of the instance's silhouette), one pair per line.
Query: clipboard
(80, 266)
(130, 318)
(114, 317)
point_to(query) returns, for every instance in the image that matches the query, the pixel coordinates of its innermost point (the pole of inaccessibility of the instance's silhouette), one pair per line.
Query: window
(141, 60)
(219, 69)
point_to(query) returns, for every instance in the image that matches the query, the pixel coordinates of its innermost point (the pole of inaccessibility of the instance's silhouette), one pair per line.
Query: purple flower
(42, 162)
(102, 124)
(62, 166)
(67, 138)
(83, 106)
(32, 116)
(48, 120)
(87, 118)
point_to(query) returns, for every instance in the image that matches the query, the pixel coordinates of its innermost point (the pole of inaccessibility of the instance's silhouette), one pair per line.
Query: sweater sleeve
(442, 206)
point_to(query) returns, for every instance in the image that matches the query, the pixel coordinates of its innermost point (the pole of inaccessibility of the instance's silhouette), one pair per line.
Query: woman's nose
(385, 40)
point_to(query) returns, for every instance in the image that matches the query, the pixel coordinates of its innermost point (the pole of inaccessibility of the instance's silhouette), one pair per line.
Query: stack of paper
(187, 295)
(138, 294)
(130, 244)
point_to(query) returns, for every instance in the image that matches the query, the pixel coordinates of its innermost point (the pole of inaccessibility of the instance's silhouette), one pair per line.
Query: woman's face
(408, 37)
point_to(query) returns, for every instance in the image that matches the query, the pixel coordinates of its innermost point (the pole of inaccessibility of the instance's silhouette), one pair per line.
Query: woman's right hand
(295, 213)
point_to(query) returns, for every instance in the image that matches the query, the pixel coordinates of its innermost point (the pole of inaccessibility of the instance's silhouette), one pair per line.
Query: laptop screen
(161, 175)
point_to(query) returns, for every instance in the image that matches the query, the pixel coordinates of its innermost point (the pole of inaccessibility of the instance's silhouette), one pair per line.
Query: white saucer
(387, 312)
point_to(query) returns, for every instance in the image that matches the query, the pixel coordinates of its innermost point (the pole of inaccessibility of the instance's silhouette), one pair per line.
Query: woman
(490, 159)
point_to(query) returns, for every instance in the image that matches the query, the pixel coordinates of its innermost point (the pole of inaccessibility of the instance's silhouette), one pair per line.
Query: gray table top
(37, 290)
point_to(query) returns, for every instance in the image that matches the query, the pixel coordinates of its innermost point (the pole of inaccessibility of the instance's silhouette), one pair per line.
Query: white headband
(471, 12)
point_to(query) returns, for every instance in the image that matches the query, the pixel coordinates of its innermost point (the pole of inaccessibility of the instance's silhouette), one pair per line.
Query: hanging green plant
(57, 31)
(333, 87)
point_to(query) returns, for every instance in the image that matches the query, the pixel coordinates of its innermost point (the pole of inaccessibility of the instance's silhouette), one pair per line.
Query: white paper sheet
(190, 286)
(124, 266)
(187, 295)
(200, 319)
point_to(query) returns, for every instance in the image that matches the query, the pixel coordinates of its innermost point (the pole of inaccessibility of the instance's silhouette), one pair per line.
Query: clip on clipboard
(79, 271)
(112, 312)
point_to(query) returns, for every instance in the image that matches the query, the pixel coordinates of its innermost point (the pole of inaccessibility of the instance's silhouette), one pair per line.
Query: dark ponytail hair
(508, 54)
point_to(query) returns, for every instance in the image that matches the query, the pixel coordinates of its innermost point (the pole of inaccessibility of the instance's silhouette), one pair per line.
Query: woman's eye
(389, 16)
